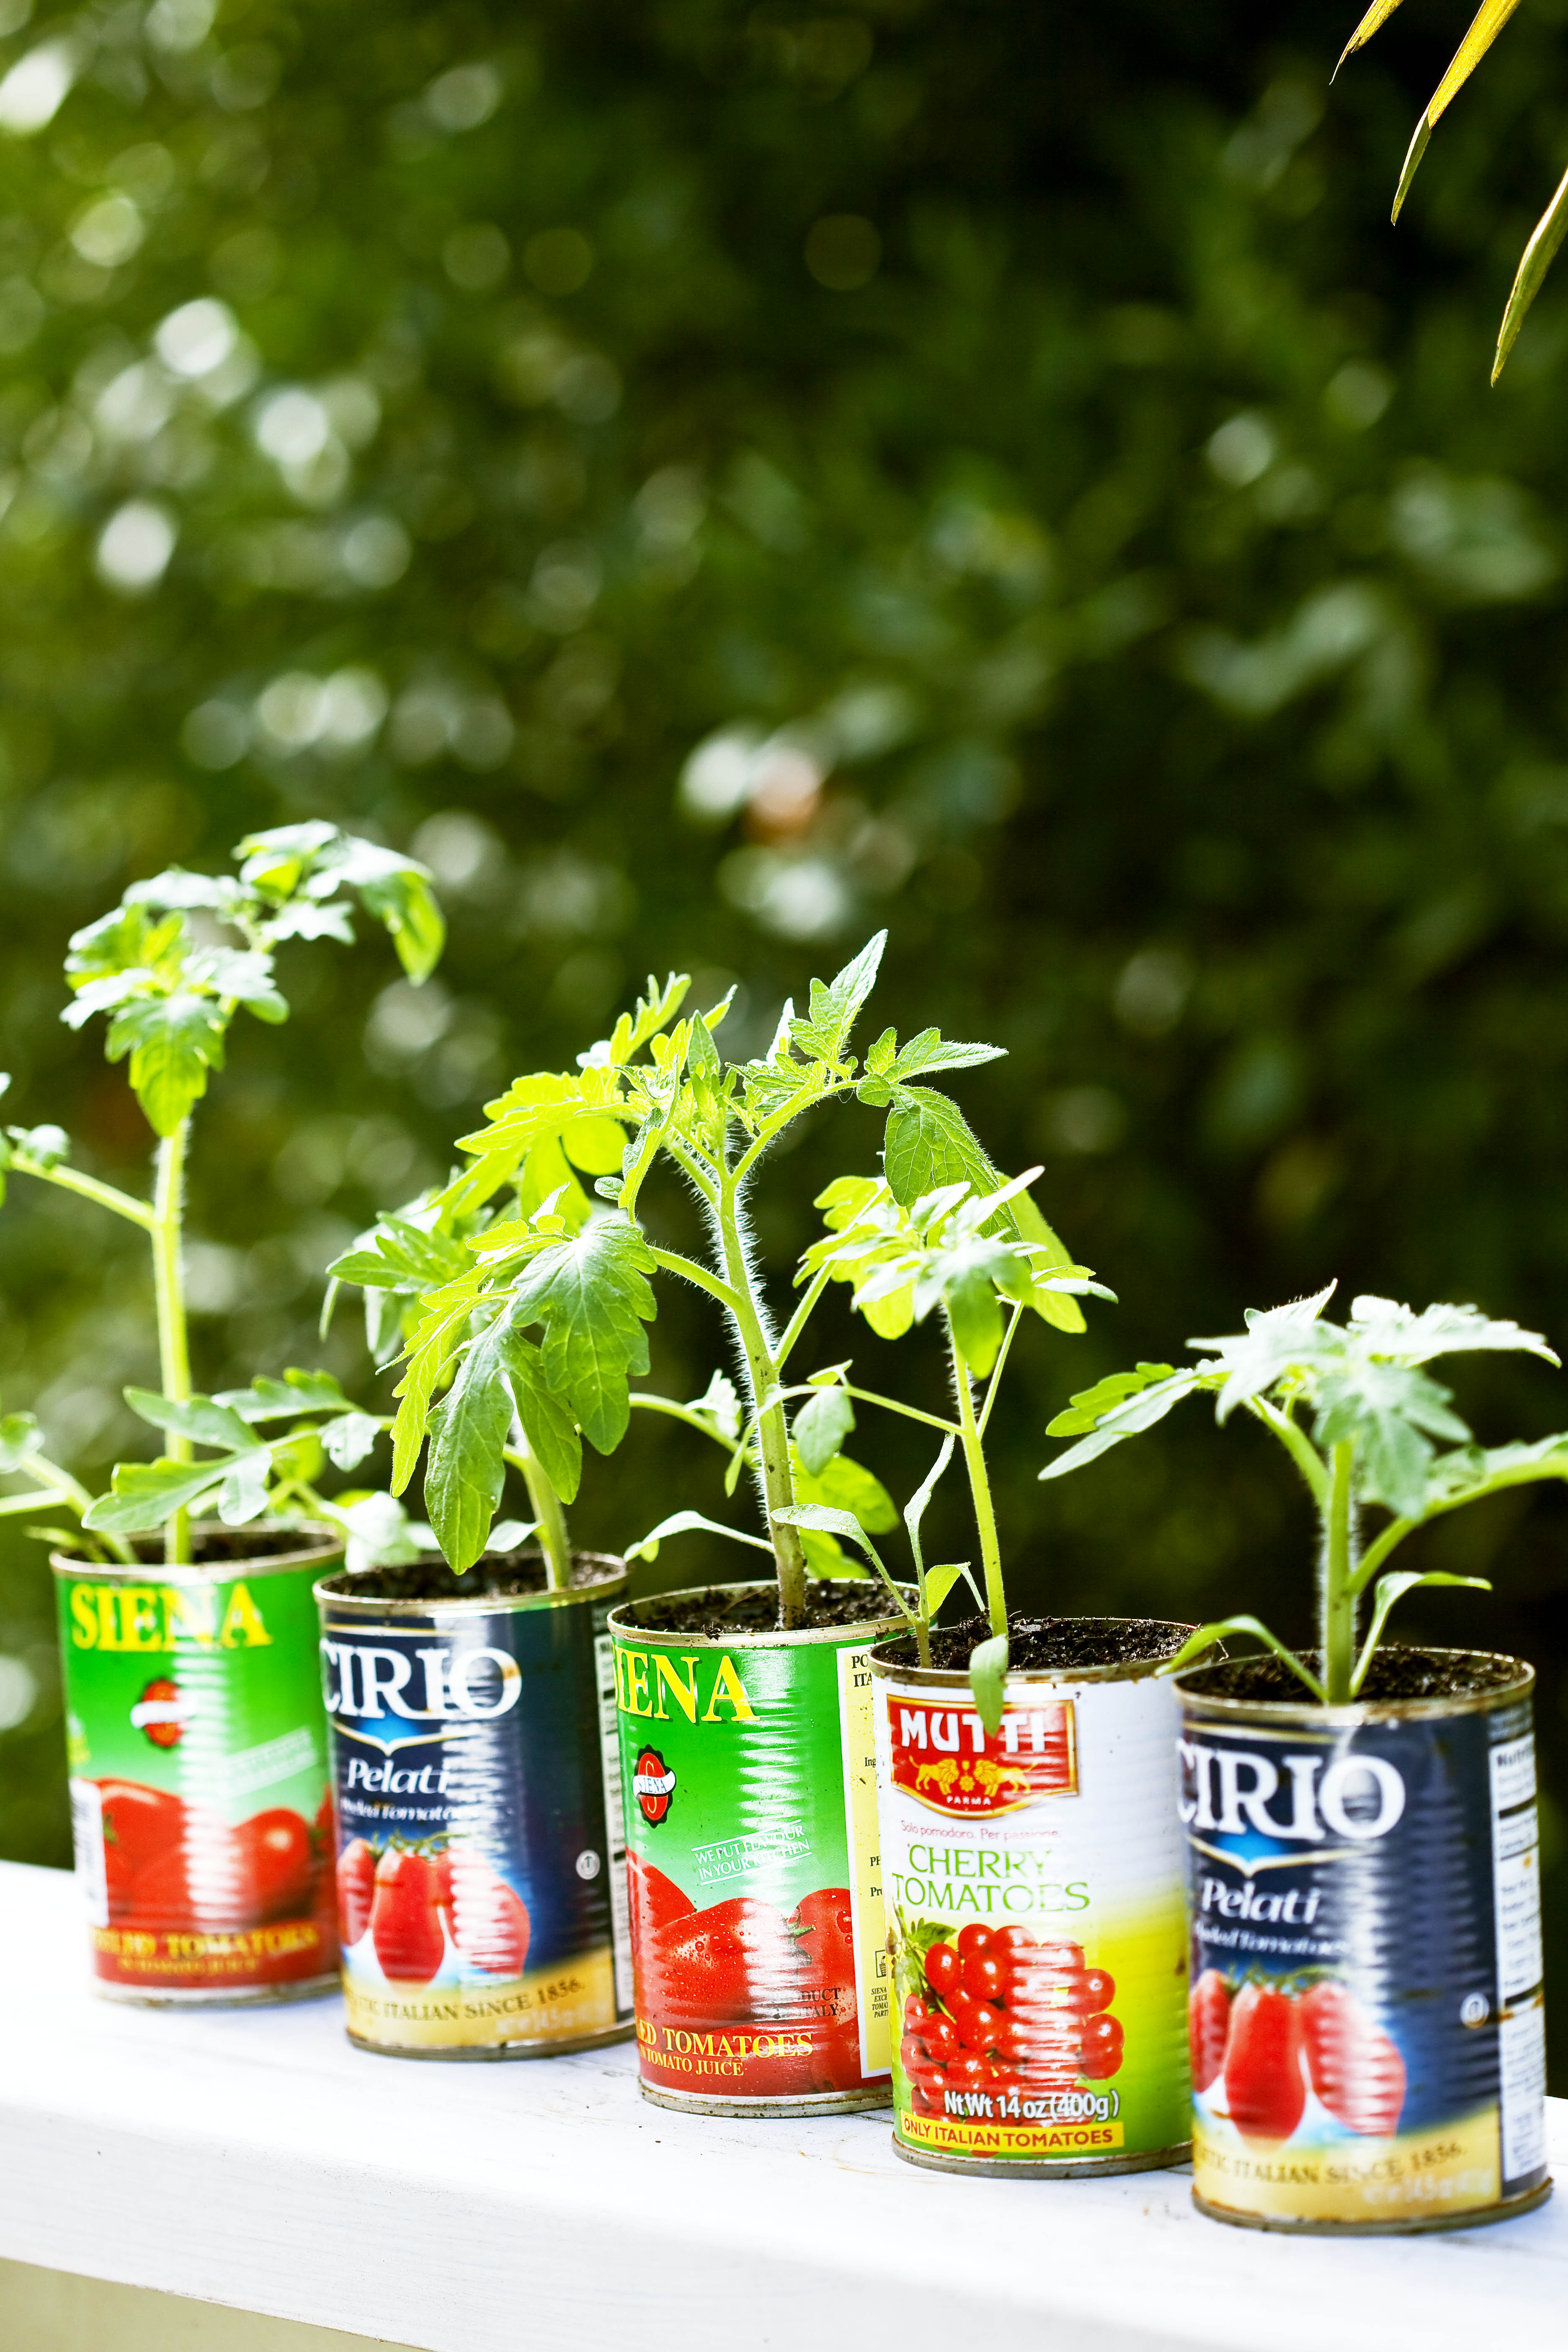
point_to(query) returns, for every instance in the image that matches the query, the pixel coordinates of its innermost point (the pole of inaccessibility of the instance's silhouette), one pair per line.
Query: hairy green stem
(174, 1333)
(108, 1196)
(1337, 1600)
(672, 1262)
(1297, 1443)
(798, 1320)
(772, 1427)
(684, 1413)
(980, 1488)
(995, 1383)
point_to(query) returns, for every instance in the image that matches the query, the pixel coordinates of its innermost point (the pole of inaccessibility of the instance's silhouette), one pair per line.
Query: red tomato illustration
(275, 1859)
(1355, 2069)
(1102, 2054)
(826, 1938)
(1208, 2027)
(943, 1970)
(1265, 2088)
(140, 1822)
(489, 1918)
(735, 1961)
(406, 1924)
(655, 1899)
(356, 1888)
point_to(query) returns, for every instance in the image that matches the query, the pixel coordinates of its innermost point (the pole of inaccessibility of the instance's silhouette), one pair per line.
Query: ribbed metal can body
(757, 1922)
(197, 1750)
(481, 1860)
(1366, 2016)
(1034, 1892)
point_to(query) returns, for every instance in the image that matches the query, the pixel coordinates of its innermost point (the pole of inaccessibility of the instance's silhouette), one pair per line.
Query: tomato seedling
(171, 991)
(1359, 1416)
(976, 1250)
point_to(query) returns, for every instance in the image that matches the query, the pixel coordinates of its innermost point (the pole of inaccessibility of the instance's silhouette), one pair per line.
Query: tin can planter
(1367, 2024)
(758, 1930)
(1034, 1880)
(481, 1855)
(200, 1803)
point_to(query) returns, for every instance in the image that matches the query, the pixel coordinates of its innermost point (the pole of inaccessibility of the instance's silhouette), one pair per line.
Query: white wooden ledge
(254, 2160)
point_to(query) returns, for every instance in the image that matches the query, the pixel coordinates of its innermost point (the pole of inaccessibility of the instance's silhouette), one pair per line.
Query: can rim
(1306, 1714)
(329, 1546)
(330, 1595)
(871, 1629)
(1136, 1670)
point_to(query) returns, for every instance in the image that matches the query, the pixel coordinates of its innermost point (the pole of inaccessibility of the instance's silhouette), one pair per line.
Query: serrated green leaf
(821, 1426)
(550, 1430)
(592, 1295)
(350, 1437)
(198, 1417)
(173, 1042)
(1125, 1414)
(931, 1051)
(267, 1398)
(1050, 1256)
(464, 1468)
(835, 1004)
(847, 1485)
(145, 1494)
(928, 1143)
(243, 1495)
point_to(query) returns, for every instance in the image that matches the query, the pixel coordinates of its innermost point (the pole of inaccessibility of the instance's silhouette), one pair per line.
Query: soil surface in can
(499, 1576)
(220, 1547)
(1049, 1645)
(1395, 1672)
(726, 1609)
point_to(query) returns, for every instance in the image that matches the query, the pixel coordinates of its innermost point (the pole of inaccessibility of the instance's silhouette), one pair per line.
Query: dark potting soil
(215, 1547)
(1050, 1644)
(724, 1608)
(1395, 1672)
(499, 1576)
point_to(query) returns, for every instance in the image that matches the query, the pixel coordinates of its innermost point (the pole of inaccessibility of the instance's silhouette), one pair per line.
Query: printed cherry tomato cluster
(1268, 2041)
(1005, 2012)
(172, 1866)
(414, 1900)
(747, 1963)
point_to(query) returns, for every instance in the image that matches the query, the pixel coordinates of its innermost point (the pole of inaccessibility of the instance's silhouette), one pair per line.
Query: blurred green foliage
(711, 478)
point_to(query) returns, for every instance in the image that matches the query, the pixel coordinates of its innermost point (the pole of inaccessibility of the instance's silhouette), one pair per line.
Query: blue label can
(480, 1846)
(1365, 2006)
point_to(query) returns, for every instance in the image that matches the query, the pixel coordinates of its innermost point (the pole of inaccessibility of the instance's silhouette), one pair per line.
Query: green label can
(758, 1931)
(201, 1809)
(1034, 1882)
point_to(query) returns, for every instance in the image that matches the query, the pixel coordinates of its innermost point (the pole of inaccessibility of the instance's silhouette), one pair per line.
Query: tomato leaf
(821, 1426)
(592, 1295)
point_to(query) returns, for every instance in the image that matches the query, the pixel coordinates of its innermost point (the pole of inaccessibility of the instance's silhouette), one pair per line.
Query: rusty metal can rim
(328, 1547)
(871, 1629)
(1305, 1715)
(955, 1678)
(330, 1594)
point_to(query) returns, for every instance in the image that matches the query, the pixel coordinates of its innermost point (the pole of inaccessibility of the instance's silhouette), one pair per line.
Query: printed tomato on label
(733, 1962)
(655, 1899)
(1208, 2027)
(1101, 2052)
(943, 1967)
(272, 1853)
(489, 1918)
(406, 1924)
(139, 1822)
(1265, 2087)
(825, 1923)
(1355, 2069)
(356, 1889)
